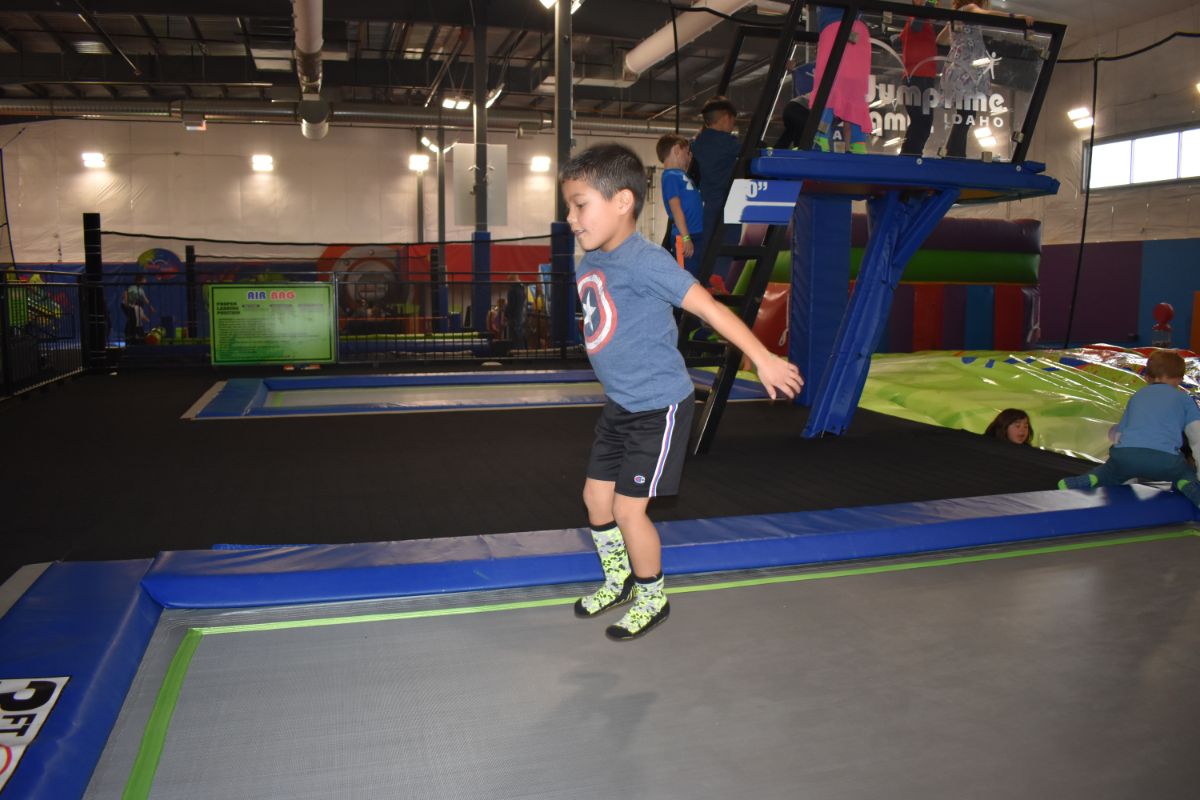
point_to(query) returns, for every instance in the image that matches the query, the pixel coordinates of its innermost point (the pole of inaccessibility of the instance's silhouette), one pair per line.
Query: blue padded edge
(91, 622)
(237, 398)
(207, 579)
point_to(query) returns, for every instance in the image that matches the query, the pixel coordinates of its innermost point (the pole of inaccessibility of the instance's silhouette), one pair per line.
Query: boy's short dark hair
(667, 143)
(609, 168)
(1164, 364)
(715, 107)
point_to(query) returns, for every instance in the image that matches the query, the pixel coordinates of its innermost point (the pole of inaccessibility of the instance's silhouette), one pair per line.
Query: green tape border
(141, 777)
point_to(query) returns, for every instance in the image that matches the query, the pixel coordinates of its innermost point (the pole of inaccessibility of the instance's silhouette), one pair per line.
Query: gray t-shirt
(628, 326)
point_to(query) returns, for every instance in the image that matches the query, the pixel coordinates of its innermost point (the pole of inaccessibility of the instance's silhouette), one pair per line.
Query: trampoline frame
(242, 398)
(92, 621)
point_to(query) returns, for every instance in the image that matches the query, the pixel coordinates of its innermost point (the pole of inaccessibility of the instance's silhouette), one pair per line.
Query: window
(1153, 158)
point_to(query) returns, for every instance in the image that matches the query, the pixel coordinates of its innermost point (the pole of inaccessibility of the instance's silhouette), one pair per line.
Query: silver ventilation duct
(340, 113)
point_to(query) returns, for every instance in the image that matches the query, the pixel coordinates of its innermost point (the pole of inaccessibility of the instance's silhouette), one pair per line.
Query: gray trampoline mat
(1061, 675)
(467, 395)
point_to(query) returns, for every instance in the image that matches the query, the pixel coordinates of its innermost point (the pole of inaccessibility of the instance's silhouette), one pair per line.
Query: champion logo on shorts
(639, 479)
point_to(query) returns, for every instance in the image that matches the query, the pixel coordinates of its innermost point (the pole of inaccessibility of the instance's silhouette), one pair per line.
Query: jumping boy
(628, 287)
(1147, 439)
(681, 198)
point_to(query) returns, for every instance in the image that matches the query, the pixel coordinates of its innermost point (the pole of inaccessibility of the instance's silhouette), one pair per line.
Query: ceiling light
(425, 141)
(983, 133)
(462, 103)
(1198, 87)
(987, 141)
(540, 164)
(894, 141)
(433, 148)
(447, 102)
(418, 162)
(262, 163)
(985, 61)
(574, 6)
(1078, 113)
(94, 160)
(493, 96)
(1084, 122)
(90, 47)
(194, 122)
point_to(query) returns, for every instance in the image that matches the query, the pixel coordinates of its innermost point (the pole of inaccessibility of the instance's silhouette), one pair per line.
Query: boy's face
(598, 222)
(681, 157)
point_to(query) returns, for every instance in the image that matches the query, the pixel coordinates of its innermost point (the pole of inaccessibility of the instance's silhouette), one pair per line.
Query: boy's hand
(778, 375)
(689, 248)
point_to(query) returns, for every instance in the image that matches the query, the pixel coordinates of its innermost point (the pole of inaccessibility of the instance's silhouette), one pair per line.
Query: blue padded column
(899, 223)
(481, 289)
(820, 284)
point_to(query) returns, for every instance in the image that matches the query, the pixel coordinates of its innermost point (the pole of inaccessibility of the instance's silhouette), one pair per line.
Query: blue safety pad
(90, 622)
(207, 579)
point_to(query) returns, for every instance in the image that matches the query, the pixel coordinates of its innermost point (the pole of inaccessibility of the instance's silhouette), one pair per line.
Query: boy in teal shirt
(628, 288)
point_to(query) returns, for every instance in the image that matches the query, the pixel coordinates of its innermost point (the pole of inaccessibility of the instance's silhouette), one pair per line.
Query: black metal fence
(476, 299)
(40, 324)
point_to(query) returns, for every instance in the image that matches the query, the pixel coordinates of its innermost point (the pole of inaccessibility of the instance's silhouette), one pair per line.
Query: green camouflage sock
(649, 608)
(618, 576)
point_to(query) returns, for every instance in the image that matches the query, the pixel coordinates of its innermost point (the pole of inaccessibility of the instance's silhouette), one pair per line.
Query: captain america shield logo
(599, 313)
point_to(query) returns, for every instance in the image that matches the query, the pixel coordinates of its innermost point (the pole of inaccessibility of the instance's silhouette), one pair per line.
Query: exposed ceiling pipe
(308, 17)
(341, 113)
(313, 112)
(689, 25)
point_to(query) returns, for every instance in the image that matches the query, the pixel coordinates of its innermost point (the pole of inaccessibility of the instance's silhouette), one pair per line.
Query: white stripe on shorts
(665, 449)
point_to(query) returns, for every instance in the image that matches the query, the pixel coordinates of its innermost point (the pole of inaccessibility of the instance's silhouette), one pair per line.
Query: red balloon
(1163, 313)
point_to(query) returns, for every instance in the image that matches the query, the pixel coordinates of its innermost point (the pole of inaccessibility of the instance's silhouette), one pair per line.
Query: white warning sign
(25, 703)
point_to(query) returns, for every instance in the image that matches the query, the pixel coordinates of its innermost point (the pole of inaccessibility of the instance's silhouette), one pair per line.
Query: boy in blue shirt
(628, 288)
(1146, 441)
(682, 199)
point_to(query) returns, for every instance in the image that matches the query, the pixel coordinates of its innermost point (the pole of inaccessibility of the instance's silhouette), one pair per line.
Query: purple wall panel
(1109, 286)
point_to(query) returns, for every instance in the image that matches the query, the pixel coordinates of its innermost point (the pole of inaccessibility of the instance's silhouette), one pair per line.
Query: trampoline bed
(925, 678)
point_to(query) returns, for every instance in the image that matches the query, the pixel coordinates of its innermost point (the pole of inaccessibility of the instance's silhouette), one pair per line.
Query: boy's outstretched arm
(776, 374)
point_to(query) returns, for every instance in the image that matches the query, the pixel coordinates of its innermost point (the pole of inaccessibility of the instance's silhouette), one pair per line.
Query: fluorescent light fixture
(894, 141)
(94, 160)
(1078, 113)
(461, 104)
(425, 141)
(540, 164)
(574, 6)
(262, 163)
(433, 148)
(983, 133)
(418, 162)
(447, 102)
(493, 96)
(987, 141)
(1083, 123)
(985, 61)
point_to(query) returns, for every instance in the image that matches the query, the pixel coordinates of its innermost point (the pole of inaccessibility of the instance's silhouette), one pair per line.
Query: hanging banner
(272, 323)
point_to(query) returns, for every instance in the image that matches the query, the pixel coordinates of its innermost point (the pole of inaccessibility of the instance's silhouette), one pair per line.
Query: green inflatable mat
(931, 266)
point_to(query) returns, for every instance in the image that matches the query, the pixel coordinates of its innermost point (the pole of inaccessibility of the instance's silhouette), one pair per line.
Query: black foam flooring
(102, 467)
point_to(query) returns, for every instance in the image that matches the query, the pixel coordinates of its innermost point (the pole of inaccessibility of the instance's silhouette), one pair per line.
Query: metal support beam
(49, 30)
(417, 134)
(562, 96)
(9, 40)
(479, 110)
(96, 28)
(195, 26)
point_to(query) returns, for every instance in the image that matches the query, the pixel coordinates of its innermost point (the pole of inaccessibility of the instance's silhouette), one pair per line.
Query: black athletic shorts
(642, 451)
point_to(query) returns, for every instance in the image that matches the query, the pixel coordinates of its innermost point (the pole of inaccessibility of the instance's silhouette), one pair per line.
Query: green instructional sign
(278, 323)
